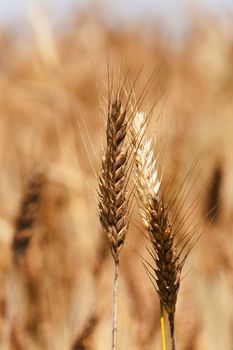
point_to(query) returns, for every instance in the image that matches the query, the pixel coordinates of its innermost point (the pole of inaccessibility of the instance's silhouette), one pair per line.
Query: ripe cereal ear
(160, 232)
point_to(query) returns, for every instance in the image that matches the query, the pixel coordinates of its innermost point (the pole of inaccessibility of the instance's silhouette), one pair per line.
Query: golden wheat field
(56, 268)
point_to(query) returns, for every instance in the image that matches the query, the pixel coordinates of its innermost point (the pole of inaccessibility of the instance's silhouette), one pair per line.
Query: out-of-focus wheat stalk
(168, 263)
(113, 197)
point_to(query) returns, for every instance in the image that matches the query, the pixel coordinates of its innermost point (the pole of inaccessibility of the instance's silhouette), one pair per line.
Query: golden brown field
(56, 269)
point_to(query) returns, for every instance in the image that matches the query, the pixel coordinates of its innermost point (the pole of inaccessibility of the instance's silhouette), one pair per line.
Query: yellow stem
(162, 327)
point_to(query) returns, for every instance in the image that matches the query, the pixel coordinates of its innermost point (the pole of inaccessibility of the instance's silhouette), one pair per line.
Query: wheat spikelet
(166, 274)
(148, 183)
(113, 203)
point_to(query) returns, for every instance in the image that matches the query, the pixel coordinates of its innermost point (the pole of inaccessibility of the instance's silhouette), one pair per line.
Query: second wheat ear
(113, 195)
(166, 272)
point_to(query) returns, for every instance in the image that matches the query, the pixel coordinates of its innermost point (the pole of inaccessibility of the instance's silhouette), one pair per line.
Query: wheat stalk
(168, 263)
(113, 196)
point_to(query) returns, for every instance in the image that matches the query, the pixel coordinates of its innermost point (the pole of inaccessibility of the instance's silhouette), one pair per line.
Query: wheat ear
(113, 200)
(28, 216)
(166, 273)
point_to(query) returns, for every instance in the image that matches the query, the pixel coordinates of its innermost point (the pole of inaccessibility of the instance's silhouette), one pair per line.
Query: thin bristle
(113, 204)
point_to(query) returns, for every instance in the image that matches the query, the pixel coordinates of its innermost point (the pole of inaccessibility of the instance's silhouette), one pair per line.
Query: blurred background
(55, 265)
